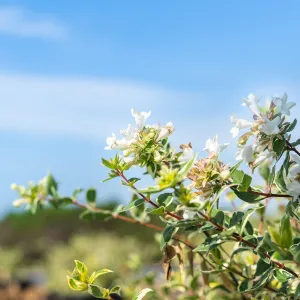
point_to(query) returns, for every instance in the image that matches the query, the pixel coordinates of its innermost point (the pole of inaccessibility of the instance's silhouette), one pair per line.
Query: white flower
(282, 105)
(19, 202)
(189, 214)
(111, 142)
(295, 168)
(271, 127)
(187, 154)
(293, 177)
(14, 186)
(234, 132)
(166, 131)
(245, 153)
(239, 124)
(140, 117)
(213, 146)
(129, 160)
(252, 102)
(293, 188)
(129, 132)
(262, 157)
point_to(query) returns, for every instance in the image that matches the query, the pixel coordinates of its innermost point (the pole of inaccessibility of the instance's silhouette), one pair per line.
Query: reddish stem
(292, 148)
(236, 236)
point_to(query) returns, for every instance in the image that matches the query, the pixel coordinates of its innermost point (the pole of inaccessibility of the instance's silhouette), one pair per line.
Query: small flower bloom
(111, 142)
(282, 105)
(213, 146)
(293, 177)
(245, 153)
(293, 188)
(261, 157)
(187, 152)
(140, 117)
(239, 124)
(234, 132)
(128, 133)
(252, 102)
(271, 127)
(129, 160)
(166, 131)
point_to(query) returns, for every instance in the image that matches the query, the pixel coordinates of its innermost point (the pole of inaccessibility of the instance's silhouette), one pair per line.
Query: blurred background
(70, 71)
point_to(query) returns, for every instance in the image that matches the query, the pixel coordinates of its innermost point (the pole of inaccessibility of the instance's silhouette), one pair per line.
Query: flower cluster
(267, 125)
(31, 195)
(208, 175)
(143, 144)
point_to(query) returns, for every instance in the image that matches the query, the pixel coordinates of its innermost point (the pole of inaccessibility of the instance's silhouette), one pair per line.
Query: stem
(176, 237)
(220, 228)
(291, 148)
(146, 198)
(267, 195)
(239, 238)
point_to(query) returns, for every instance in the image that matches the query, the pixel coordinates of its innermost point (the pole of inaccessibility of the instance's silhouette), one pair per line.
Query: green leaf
(152, 189)
(274, 235)
(81, 269)
(282, 275)
(98, 273)
(246, 217)
(116, 289)
(89, 215)
(98, 291)
(167, 235)
(156, 211)
(297, 143)
(76, 285)
(291, 126)
(108, 164)
(237, 216)
(297, 292)
(91, 196)
(240, 249)
(185, 169)
(246, 286)
(235, 167)
(279, 147)
(133, 204)
(187, 223)
(76, 192)
(241, 179)
(34, 205)
(142, 294)
(286, 234)
(261, 267)
(165, 199)
(61, 202)
(247, 196)
(237, 176)
(51, 185)
(243, 187)
(219, 217)
(210, 243)
(272, 176)
(264, 170)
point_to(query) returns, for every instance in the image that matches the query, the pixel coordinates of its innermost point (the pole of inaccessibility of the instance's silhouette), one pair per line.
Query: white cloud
(21, 22)
(85, 108)
(92, 109)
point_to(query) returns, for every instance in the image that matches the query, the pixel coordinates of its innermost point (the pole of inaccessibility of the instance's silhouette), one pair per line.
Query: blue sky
(70, 71)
